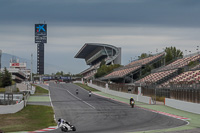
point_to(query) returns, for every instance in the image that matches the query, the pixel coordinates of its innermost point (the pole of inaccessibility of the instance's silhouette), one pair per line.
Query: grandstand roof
(88, 47)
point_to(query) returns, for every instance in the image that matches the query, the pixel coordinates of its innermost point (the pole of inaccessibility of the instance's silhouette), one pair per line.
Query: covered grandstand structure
(183, 73)
(94, 53)
(133, 71)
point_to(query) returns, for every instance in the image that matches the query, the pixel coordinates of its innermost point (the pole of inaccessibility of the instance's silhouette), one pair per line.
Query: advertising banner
(40, 29)
(40, 33)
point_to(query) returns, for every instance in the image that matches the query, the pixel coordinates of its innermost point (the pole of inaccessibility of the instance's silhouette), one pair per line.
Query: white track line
(76, 97)
(81, 100)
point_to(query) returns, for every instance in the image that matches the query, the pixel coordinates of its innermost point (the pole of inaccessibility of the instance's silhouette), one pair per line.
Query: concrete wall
(139, 98)
(8, 109)
(182, 105)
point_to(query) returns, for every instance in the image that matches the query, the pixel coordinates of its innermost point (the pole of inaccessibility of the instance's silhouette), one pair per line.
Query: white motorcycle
(65, 127)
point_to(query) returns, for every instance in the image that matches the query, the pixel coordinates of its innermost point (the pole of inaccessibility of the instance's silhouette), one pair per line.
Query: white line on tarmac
(76, 97)
(81, 100)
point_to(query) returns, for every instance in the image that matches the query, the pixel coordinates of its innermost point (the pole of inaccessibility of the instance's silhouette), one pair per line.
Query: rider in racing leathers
(131, 99)
(60, 122)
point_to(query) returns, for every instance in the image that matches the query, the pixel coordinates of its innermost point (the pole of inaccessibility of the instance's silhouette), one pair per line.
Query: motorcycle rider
(131, 99)
(76, 91)
(90, 93)
(61, 122)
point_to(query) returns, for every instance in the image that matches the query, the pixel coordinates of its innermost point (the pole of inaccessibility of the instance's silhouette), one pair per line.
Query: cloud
(137, 26)
(97, 13)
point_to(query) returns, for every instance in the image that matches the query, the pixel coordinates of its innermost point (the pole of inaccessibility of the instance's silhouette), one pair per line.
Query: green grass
(2, 90)
(39, 99)
(40, 91)
(86, 87)
(31, 118)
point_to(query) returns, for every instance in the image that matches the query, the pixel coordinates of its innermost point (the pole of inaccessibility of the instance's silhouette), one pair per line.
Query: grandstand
(94, 53)
(174, 73)
(133, 70)
(188, 77)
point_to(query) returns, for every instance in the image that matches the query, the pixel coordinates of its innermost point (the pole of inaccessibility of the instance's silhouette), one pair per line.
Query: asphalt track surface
(96, 114)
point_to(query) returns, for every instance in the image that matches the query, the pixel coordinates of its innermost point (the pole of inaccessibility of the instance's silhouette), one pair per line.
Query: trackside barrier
(16, 97)
(139, 98)
(182, 105)
(8, 109)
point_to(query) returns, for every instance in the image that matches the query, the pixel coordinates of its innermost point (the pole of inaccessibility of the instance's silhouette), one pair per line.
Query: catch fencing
(117, 87)
(183, 92)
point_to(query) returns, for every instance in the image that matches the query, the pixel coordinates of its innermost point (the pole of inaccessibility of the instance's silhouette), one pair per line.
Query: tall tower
(40, 39)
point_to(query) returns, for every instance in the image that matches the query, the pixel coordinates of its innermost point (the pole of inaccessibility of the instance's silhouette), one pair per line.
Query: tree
(144, 55)
(172, 53)
(6, 78)
(104, 69)
(60, 73)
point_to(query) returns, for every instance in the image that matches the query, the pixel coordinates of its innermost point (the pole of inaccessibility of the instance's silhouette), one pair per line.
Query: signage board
(40, 29)
(17, 64)
(40, 33)
(40, 39)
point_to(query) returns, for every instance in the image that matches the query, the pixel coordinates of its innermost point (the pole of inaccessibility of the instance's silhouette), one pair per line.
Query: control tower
(40, 39)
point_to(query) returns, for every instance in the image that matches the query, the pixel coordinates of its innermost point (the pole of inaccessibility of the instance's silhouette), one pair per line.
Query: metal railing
(184, 92)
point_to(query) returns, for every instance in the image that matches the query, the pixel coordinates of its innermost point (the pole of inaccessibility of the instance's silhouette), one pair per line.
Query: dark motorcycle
(132, 104)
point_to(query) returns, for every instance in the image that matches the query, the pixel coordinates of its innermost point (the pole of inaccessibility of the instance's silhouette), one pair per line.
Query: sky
(137, 26)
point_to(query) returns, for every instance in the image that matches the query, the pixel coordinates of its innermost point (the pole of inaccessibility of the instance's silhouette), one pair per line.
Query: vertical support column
(40, 58)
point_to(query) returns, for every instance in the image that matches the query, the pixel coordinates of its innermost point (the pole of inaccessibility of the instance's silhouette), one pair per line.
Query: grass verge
(86, 87)
(31, 118)
(2, 90)
(40, 91)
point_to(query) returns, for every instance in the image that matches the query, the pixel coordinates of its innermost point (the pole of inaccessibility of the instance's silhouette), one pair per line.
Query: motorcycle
(65, 127)
(90, 94)
(132, 104)
(76, 92)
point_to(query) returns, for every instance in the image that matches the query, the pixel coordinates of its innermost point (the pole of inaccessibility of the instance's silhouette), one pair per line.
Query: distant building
(18, 70)
(94, 53)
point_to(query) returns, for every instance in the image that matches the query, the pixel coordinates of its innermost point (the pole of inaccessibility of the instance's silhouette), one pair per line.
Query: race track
(100, 115)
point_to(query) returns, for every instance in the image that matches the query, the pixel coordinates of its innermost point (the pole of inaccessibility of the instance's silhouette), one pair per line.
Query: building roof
(88, 47)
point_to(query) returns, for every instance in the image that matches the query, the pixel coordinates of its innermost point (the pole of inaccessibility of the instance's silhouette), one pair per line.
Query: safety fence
(117, 87)
(11, 98)
(10, 89)
(184, 92)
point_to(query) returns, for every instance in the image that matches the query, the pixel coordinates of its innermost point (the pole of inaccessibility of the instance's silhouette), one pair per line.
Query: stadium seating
(122, 72)
(155, 77)
(180, 63)
(185, 77)
(133, 66)
(145, 60)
